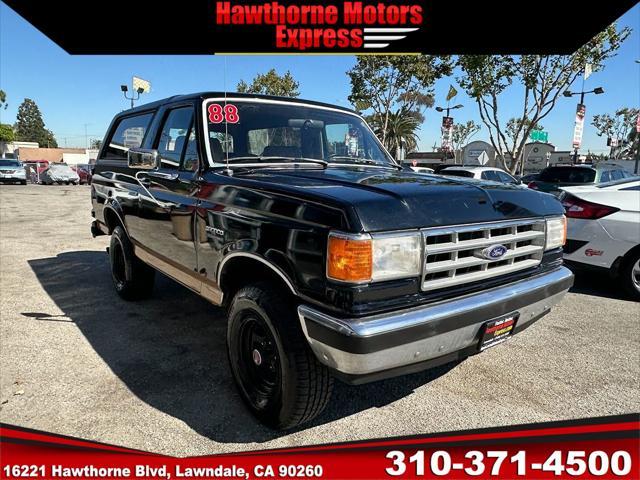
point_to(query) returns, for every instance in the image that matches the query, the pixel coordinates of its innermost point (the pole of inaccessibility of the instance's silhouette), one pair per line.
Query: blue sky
(74, 92)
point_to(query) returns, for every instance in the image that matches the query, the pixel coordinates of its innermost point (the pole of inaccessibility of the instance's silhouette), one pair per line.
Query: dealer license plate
(497, 331)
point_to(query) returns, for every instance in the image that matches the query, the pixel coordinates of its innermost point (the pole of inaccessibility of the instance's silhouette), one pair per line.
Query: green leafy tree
(3, 100)
(6, 133)
(271, 83)
(541, 79)
(462, 132)
(621, 126)
(385, 85)
(30, 125)
(96, 144)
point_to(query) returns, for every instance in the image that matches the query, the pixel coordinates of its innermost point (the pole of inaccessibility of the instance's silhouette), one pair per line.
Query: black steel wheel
(132, 278)
(259, 363)
(276, 373)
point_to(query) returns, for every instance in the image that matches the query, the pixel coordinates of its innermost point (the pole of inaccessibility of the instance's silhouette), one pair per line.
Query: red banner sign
(593, 448)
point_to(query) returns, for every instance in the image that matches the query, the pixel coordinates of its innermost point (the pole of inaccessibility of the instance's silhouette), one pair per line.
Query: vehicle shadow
(597, 284)
(170, 350)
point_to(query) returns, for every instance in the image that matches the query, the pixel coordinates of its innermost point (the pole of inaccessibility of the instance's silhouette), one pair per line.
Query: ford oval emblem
(493, 252)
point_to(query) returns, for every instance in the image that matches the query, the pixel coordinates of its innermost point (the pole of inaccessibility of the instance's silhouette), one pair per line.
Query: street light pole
(133, 96)
(448, 110)
(568, 94)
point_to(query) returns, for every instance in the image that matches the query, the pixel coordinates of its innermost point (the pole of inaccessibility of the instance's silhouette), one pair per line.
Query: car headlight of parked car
(365, 258)
(556, 232)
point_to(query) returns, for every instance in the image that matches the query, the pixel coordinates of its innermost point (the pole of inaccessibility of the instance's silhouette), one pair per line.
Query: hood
(381, 199)
(11, 168)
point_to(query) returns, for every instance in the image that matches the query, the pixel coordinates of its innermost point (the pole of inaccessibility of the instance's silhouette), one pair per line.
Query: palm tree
(401, 128)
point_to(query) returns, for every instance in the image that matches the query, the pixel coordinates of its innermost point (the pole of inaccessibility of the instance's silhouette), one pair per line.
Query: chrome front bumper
(385, 342)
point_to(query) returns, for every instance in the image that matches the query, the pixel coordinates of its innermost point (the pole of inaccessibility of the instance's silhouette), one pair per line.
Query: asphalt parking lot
(77, 360)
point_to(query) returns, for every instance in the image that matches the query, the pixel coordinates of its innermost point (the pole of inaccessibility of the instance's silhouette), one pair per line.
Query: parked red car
(84, 172)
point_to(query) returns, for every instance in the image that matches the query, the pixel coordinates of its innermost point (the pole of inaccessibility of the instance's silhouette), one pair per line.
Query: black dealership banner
(605, 447)
(320, 26)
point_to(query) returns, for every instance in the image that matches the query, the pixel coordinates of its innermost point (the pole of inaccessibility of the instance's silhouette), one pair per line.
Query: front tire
(276, 373)
(132, 278)
(630, 275)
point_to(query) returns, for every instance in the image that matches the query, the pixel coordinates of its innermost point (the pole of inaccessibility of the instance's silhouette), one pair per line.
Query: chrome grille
(452, 254)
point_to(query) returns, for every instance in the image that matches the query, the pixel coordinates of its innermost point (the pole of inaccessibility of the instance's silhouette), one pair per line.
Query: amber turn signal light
(349, 259)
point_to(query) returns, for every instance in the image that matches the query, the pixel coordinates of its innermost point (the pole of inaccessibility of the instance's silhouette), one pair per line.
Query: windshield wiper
(255, 162)
(364, 161)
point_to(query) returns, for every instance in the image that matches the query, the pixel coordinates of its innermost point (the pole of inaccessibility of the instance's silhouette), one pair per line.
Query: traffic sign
(539, 136)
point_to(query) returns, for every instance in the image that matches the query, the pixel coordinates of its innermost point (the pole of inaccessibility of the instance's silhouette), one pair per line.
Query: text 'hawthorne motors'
(340, 25)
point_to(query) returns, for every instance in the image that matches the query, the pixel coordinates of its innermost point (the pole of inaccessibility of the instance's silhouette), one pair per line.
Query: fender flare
(113, 206)
(260, 259)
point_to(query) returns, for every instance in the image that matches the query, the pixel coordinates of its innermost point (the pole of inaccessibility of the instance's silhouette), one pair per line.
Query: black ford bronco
(332, 260)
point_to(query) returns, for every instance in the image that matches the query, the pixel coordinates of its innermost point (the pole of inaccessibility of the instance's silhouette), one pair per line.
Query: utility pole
(86, 136)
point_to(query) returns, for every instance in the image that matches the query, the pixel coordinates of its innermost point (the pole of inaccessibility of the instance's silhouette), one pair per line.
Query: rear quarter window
(457, 173)
(129, 133)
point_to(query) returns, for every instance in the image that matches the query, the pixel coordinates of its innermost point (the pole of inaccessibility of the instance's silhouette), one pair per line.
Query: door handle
(163, 175)
(145, 181)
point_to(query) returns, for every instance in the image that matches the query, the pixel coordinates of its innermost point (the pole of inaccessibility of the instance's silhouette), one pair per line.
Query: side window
(490, 175)
(505, 177)
(191, 162)
(173, 138)
(605, 177)
(616, 175)
(129, 133)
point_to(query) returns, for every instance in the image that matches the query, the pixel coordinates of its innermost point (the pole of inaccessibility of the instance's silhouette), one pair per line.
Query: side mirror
(143, 159)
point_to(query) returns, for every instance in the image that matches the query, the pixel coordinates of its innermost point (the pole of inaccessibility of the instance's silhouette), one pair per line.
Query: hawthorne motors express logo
(347, 25)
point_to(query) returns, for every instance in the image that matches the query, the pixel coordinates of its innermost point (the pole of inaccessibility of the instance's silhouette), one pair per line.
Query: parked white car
(603, 229)
(59, 173)
(481, 173)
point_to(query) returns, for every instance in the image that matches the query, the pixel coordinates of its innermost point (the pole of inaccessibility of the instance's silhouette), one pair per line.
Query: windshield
(256, 132)
(615, 183)
(9, 163)
(568, 175)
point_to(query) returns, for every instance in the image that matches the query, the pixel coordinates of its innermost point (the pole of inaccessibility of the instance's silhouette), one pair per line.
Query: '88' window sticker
(223, 113)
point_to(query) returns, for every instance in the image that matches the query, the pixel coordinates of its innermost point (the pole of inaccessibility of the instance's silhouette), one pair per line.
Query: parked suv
(331, 259)
(553, 179)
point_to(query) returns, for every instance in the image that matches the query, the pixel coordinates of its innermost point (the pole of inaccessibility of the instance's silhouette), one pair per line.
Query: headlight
(556, 232)
(362, 258)
(396, 256)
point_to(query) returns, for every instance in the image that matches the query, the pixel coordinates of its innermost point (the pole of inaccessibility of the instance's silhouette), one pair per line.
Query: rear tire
(132, 278)
(276, 373)
(630, 275)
